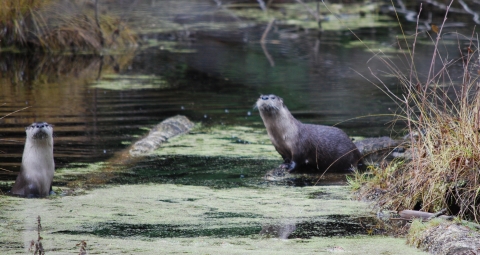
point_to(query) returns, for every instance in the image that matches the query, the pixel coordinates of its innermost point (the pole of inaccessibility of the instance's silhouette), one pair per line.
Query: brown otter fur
(305, 146)
(37, 169)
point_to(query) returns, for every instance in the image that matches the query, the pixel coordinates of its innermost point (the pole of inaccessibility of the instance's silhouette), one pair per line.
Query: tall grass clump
(61, 26)
(13, 18)
(442, 118)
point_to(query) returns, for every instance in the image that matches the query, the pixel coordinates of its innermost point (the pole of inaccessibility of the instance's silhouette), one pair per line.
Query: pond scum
(442, 170)
(75, 26)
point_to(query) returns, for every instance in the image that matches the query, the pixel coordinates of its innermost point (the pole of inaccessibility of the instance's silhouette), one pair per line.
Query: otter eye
(272, 97)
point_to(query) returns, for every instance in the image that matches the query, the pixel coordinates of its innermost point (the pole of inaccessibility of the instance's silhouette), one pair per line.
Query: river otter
(305, 146)
(37, 169)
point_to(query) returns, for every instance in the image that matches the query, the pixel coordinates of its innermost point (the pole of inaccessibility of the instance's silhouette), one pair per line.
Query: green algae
(76, 170)
(337, 17)
(376, 47)
(122, 82)
(170, 46)
(135, 218)
(225, 141)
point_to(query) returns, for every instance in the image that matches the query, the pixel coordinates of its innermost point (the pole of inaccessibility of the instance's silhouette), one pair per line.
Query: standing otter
(305, 146)
(37, 169)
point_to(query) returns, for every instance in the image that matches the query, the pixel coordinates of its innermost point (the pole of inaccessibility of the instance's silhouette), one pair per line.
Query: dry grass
(67, 26)
(444, 169)
(13, 16)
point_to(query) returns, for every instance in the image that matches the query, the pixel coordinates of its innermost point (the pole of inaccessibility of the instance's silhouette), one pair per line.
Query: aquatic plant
(60, 26)
(36, 246)
(83, 247)
(442, 117)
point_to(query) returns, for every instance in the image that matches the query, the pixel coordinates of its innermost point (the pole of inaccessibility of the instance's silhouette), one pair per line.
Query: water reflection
(328, 226)
(332, 225)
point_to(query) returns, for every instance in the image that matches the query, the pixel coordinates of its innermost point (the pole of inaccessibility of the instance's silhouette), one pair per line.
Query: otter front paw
(288, 166)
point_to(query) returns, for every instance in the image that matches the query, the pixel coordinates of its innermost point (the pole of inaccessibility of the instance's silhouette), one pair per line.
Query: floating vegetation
(327, 17)
(228, 141)
(122, 82)
(186, 218)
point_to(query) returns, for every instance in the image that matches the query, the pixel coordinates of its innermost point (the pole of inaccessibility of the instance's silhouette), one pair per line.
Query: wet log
(168, 128)
(412, 214)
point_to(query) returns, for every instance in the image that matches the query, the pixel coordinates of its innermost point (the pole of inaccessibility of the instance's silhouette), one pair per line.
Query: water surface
(203, 61)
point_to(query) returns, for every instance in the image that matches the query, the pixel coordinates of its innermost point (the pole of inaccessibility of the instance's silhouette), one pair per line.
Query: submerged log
(168, 128)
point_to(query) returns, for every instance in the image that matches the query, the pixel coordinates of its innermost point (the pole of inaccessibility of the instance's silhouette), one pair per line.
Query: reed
(443, 169)
(67, 26)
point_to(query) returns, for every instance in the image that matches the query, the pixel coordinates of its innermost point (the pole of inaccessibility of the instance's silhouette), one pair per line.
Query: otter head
(39, 131)
(270, 104)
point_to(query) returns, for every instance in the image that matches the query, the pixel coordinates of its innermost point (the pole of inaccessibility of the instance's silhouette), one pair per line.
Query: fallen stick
(412, 214)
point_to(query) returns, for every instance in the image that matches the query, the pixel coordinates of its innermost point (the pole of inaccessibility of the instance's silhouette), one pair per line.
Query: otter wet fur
(37, 169)
(306, 147)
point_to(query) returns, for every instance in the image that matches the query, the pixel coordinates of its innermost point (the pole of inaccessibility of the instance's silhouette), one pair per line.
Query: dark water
(210, 75)
(328, 226)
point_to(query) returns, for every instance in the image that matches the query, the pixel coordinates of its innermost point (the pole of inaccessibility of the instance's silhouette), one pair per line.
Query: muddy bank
(445, 237)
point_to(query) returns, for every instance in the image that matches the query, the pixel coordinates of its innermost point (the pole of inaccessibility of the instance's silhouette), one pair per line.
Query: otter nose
(264, 97)
(41, 125)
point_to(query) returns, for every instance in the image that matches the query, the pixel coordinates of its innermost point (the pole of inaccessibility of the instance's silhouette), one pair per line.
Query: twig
(262, 42)
(412, 64)
(6, 170)
(476, 16)
(441, 212)
(37, 246)
(83, 247)
(439, 35)
(265, 51)
(15, 112)
(269, 27)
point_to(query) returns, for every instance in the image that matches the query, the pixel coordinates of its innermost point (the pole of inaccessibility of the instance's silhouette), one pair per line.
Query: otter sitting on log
(305, 146)
(37, 169)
